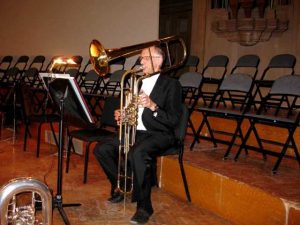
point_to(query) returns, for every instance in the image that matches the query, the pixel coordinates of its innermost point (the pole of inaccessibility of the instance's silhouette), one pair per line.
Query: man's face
(146, 61)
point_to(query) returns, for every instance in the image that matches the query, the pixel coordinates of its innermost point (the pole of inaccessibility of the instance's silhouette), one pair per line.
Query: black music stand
(66, 94)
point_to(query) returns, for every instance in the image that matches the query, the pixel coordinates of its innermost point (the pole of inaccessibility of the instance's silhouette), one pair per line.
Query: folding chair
(281, 63)
(230, 102)
(94, 134)
(178, 148)
(191, 85)
(213, 74)
(30, 116)
(278, 109)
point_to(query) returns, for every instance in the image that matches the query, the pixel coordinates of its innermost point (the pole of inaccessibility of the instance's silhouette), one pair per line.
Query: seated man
(158, 115)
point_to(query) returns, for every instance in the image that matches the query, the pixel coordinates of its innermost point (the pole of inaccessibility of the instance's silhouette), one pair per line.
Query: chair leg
(239, 122)
(25, 136)
(186, 187)
(196, 136)
(282, 153)
(38, 141)
(86, 161)
(68, 154)
(54, 136)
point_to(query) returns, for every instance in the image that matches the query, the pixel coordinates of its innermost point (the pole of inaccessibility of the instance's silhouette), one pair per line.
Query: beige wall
(206, 43)
(66, 27)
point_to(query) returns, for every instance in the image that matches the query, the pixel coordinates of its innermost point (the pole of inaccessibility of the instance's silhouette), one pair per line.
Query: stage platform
(244, 192)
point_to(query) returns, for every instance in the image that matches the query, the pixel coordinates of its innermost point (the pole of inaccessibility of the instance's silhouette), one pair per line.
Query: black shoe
(141, 216)
(116, 197)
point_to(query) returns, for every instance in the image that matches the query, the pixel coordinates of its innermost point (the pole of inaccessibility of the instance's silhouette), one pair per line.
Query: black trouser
(147, 146)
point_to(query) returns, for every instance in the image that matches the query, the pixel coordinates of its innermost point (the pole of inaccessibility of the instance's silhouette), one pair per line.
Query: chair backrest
(73, 72)
(137, 63)
(77, 59)
(22, 62)
(192, 62)
(191, 85)
(179, 132)
(219, 62)
(181, 127)
(118, 64)
(245, 62)
(281, 61)
(38, 62)
(50, 64)
(5, 63)
(111, 104)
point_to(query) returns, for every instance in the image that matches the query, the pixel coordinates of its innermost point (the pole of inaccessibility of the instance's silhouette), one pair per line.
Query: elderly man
(158, 115)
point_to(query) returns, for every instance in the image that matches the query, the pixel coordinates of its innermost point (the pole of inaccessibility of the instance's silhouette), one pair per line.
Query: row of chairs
(234, 100)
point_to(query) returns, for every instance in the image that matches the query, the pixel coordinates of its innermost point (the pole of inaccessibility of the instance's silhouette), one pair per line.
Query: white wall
(66, 27)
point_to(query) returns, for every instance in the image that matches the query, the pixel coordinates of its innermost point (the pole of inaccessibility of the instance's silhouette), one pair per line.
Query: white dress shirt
(147, 87)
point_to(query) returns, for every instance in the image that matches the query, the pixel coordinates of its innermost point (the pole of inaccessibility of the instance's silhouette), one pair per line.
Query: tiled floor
(94, 209)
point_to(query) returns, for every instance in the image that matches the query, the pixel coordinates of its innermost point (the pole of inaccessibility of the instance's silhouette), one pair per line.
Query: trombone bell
(99, 58)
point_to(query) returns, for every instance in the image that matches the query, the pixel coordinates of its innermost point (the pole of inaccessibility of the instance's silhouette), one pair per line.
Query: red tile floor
(169, 209)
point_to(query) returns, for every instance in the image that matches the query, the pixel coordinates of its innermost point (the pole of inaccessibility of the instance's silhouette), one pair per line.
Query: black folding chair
(278, 63)
(278, 109)
(191, 85)
(178, 148)
(230, 102)
(95, 134)
(213, 74)
(31, 116)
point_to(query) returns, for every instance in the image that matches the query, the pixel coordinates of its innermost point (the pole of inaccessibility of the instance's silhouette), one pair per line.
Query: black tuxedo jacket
(166, 94)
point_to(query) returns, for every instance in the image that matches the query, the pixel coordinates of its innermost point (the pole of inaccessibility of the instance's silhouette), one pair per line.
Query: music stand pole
(58, 198)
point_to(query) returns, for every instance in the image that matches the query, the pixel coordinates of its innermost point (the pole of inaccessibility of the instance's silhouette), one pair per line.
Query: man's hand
(146, 101)
(117, 115)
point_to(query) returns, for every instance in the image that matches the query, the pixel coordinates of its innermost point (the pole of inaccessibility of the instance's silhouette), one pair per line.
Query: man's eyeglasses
(149, 57)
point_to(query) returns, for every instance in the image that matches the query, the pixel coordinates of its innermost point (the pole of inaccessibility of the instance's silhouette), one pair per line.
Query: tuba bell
(100, 59)
(13, 212)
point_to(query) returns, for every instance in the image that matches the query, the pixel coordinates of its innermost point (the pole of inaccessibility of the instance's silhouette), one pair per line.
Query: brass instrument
(100, 59)
(13, 213)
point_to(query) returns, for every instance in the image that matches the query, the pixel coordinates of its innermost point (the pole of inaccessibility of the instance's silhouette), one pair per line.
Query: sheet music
(47, 78)
(81, 99)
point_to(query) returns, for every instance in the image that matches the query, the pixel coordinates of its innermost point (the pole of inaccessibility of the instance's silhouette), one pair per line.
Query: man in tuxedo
(158, 115)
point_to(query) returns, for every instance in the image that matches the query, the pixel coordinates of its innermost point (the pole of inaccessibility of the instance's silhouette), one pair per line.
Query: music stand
(66, 94)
